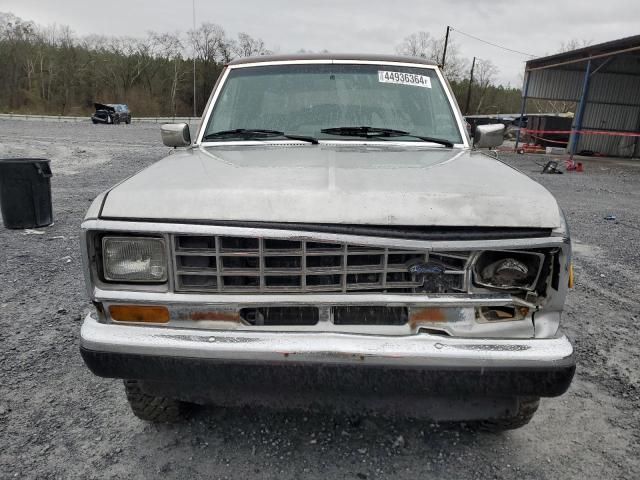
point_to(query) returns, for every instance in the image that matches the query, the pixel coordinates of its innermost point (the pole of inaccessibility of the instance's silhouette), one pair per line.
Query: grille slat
(194, 271)
(228, 264)
(216, 243)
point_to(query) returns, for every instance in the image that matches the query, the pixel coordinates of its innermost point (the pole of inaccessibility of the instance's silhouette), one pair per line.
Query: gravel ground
(57, 420)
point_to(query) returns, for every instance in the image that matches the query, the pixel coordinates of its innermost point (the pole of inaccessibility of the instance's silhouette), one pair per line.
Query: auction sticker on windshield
(404, 78)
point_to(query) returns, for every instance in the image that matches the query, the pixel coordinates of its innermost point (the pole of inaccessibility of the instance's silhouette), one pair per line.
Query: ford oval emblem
(427, 268)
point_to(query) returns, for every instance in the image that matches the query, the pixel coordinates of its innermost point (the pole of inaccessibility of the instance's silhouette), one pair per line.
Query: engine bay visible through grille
(230, 264)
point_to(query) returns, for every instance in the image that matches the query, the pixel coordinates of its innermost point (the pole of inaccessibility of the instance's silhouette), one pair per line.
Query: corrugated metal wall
(613, 103)
(555, 84)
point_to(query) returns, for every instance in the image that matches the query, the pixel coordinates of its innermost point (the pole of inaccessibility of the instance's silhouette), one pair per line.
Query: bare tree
(69, 66)
(94, 42)
(455, 66)
(423, 45)
(13, 28)
(210, 43)
(166, 45)
(247, 46)
(418, 44)
(574, 44)
(15, 36)
(169, 50)
(485, 72)
(131, 59)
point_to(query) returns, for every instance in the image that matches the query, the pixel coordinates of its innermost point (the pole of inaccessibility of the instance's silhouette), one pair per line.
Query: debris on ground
(551, 167)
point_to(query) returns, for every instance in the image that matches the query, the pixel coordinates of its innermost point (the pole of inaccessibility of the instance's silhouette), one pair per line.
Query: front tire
(154, 409)
(527, 407)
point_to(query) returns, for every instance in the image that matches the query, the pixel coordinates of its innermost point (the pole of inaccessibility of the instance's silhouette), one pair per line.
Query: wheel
(116, 121)
(527, 407)
(128, 121)
(154, 409)
(94, 122)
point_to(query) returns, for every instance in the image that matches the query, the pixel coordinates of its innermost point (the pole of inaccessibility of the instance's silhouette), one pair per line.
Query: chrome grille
(261, 265)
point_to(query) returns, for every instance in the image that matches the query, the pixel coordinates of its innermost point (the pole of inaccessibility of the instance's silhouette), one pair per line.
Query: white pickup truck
(330, 237)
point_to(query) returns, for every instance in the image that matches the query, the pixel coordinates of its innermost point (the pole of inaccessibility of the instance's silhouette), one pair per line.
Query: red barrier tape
(563, 142)
(584, 132)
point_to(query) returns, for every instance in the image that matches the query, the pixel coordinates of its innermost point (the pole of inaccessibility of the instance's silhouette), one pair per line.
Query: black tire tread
(151, 408)
(526, 409)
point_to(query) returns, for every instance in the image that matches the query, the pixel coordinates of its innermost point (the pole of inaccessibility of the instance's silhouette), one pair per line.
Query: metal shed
(604, 80)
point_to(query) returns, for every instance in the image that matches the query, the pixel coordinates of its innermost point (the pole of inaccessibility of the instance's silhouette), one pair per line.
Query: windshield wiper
(375, 132)
(257, 134)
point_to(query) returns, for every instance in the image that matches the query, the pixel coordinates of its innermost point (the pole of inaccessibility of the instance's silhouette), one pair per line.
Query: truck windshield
(305, 99)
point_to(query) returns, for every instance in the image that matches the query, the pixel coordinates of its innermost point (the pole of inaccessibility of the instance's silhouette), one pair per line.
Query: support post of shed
(577, 122)
(523, 108)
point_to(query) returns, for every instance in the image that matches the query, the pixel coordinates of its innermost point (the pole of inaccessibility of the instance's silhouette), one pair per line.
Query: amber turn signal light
(571, 277)
(139, 314)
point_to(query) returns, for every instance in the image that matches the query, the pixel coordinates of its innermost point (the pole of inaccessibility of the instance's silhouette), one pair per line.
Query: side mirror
(175, 134)
(489, 136)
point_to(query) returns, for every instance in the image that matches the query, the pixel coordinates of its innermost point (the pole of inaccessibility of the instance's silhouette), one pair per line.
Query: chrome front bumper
(422, 350)
(249, 362)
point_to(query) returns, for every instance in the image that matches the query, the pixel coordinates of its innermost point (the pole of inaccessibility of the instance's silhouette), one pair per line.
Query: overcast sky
(374, 26)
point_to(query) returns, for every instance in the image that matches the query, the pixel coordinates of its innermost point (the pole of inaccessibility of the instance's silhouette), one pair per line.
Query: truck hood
(334, 184)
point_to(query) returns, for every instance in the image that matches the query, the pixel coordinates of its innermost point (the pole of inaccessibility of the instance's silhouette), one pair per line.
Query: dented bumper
(537, 367)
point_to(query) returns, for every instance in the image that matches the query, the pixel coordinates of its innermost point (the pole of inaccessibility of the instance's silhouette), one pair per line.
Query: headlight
(508, 269)
(134, 259)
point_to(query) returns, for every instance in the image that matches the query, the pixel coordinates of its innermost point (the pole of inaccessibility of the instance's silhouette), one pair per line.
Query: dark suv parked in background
(111, 113)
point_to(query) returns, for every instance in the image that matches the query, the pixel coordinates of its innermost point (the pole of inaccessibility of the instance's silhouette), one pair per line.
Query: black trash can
(25, 192)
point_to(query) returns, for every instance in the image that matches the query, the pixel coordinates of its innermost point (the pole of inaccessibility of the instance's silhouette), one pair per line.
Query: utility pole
(446, 42)
(195, 114)
(466, 108)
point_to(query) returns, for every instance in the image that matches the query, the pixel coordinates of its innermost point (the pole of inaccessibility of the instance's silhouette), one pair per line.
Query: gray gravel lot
(57, 420)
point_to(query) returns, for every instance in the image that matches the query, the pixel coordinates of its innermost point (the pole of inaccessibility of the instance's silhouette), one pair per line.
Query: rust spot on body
(427, 315)
(215, 315)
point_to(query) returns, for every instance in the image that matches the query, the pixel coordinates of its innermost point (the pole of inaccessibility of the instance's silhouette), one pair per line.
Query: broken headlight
(508, 269)
(134, 259)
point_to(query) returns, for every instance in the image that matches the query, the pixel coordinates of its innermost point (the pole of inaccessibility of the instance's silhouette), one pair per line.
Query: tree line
(486, 96)
(50, 70)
